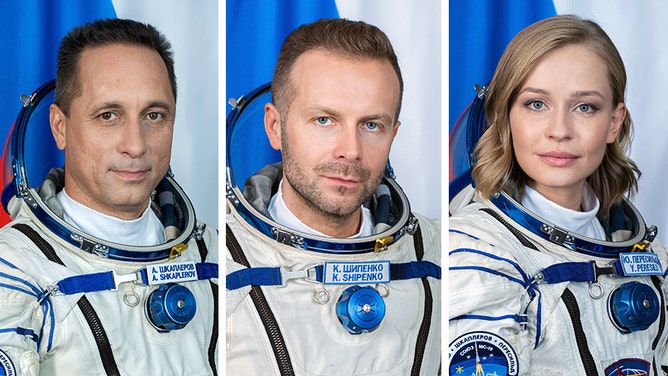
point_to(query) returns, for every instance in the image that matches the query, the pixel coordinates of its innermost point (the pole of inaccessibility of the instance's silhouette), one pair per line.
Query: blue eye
(586, 108)
(536, 105)
(371, 126)
(322, 120)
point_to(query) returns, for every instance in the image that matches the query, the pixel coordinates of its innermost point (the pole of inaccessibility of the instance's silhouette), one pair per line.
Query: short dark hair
(101, 33)
(354, 39)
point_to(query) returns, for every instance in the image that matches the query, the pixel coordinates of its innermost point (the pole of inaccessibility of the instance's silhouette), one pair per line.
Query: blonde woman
(552, 270)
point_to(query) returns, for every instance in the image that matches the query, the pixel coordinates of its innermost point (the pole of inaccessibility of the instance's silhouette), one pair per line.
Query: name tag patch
(371, 272)
(172, 272)
(640, 263)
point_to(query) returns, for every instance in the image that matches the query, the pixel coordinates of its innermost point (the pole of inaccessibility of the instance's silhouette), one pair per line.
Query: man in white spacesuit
(104, 269)
(328, 271)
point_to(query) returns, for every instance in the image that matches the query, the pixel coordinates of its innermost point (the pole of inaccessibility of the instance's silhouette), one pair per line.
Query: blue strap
(578, 272)
(22, 331)
(407, 270)
(264, 276)
(569, 271)
(87, 283)
(415, 269)
(271, 276)
(206, 270)
(106, 281)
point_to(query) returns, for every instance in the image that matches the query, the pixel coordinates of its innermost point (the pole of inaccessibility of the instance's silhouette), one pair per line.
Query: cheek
(600, 147)
(309, 146)
(517, 138)
(160, 143)
(82, 153)
(376, 154)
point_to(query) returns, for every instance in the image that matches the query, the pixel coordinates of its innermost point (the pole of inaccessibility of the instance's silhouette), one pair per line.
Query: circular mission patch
(6, 366)
(482, 353)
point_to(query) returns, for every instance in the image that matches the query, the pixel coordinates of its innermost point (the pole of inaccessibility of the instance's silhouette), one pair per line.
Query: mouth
(130, 174)
(348, 182)
(558, 158)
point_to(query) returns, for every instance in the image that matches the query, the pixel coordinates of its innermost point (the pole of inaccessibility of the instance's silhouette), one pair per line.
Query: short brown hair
(355, 39)
(496, 168)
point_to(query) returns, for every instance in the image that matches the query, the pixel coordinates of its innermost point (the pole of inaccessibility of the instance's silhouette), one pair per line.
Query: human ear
(272, 125)
(616, 122)
(58, 122)
(396, 128)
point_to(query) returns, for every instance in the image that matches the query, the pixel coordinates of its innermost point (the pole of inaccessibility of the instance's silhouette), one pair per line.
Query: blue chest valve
(170, 307)
(360, 309)
(634, 306)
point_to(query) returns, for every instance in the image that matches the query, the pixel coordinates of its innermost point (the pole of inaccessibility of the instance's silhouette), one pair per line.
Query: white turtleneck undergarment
(143, 231)
(580, 222)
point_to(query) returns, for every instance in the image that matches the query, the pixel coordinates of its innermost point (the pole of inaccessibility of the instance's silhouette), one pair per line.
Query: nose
(560, 126)
(348, 143)
(133, 141)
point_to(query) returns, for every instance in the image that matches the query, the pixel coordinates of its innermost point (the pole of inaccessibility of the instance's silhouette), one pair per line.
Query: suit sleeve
(489, 299)
(22, 315)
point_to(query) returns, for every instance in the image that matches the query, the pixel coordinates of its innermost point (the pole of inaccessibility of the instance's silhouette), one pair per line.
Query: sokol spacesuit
(72, 303)
(304, 304)
(293, 324)
(522, 290)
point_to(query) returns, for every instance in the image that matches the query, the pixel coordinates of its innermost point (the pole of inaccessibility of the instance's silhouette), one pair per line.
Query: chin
(342, 210)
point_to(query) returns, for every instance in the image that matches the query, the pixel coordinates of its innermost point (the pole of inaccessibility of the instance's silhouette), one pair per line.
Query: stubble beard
(311, 195)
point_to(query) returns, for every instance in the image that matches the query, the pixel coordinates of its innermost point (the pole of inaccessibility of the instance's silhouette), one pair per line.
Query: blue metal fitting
(170, 307)
(360, 309)
(634, 307)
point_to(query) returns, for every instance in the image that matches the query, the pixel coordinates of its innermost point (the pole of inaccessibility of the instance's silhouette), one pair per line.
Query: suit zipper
(93, 320)
(423, 333)
(264, 311)
(580, 338)
(203, 250)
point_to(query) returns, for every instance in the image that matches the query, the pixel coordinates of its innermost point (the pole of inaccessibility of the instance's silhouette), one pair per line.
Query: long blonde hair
(496, 167)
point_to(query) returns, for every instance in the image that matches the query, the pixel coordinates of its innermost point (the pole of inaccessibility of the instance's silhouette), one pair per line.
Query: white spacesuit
(74, 304)
(529, 298)
(283, 287)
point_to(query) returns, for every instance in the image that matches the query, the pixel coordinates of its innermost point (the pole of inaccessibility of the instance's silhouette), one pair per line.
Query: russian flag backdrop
(31, 32)
(480, 29)
(478, 33)
(256, 29)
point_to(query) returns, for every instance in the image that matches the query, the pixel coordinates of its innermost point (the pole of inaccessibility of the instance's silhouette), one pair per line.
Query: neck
(570, 198)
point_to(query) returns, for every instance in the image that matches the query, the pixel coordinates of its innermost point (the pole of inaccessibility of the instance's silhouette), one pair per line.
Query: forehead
(116, 66)
(319, 74)
(574, 65)
(118, 58)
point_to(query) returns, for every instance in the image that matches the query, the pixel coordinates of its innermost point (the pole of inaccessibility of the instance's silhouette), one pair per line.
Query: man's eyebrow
(107, 106)
(116, 105)
(160, 104)
(379, 116)
(317, 110)
(329, 111)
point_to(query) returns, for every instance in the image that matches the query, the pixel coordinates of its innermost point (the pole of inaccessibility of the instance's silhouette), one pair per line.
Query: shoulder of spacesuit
(431, 236)
(210, 238)
(483, 253)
